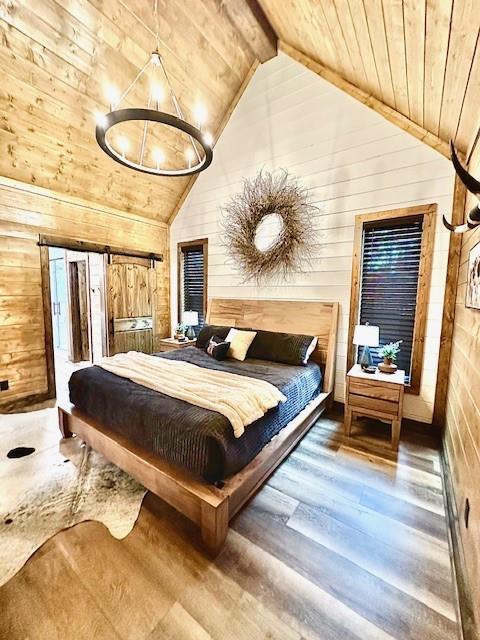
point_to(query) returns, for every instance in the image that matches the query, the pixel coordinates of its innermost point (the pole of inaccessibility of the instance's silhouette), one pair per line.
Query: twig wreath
(269, 194)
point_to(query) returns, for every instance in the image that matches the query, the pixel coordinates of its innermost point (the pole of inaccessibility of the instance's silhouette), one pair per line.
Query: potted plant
(389, 353)
(180, 331)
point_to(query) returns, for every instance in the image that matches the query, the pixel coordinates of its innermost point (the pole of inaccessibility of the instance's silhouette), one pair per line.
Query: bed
(193, 461)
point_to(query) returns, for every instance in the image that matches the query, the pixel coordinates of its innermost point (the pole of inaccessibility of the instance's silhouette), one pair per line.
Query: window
(390, 280)
(192, 279)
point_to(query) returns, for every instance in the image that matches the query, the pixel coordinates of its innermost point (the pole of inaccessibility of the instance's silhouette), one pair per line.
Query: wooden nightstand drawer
(375, 389)
(374, 404)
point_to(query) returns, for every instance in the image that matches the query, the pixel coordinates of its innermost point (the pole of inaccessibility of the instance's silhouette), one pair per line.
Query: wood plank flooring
(346, 541)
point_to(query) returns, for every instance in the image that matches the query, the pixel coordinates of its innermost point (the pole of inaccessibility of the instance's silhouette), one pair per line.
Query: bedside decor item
(472, 300)
(267, 227)
(389, 353)
(190, 319)
(366, 335)
(180, 331)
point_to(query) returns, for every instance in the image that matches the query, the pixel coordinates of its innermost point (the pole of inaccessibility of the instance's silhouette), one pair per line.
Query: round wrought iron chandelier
(198, 146)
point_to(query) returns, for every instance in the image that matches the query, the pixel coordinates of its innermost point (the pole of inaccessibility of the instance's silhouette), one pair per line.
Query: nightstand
(377, 395)
(170, 344)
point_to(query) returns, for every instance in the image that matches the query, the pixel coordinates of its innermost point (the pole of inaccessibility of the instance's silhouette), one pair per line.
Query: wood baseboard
(466, 614)
(29, 403)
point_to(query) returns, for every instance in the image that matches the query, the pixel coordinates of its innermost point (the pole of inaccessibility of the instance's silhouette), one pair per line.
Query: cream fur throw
(239, 398)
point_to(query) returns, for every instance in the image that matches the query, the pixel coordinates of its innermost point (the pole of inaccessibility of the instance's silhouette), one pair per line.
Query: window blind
(389, 283)
(194, 282)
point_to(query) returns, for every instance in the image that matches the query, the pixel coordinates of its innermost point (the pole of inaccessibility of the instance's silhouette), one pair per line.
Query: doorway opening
(100, 303)
(77, 309)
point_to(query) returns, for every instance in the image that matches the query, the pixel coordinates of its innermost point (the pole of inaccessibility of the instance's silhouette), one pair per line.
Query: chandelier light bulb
(157, 93)
(100, 119)
(123, 144)
(208, 138)
(189, 154)
(200, 114)
(112, 95)
(158, 156)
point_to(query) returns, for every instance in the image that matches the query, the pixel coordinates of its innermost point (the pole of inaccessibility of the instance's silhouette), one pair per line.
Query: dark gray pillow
(209, 330)
(288, 348)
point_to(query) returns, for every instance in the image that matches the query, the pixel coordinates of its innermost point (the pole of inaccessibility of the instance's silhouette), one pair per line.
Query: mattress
(197, 439)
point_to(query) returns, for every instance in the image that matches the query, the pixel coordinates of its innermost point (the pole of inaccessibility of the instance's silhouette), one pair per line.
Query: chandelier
(196, 143)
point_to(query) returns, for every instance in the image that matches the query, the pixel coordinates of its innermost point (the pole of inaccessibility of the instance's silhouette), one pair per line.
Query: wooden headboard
(290, 316)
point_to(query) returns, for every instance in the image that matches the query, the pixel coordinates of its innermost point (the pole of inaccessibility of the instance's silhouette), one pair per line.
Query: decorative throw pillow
(288, 348)
(217, 348)
(240, 342)
(209, 330)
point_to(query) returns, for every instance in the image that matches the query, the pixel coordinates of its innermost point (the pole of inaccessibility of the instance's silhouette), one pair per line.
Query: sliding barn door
(130, 304)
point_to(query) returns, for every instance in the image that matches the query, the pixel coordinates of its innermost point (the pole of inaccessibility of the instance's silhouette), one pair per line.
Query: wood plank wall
(462, 432)
(26, 211)
(353, 161)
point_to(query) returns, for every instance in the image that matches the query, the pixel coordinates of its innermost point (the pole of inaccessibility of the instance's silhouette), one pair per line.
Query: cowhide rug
(56, 487)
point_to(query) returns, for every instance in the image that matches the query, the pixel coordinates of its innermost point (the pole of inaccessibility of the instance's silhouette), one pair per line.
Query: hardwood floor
(346, 541)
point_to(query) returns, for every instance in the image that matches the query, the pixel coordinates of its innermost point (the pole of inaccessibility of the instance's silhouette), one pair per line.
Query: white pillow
(310, 350)
(240, 342)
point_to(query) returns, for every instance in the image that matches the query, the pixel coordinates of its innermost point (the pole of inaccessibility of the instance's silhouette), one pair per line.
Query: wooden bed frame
(210, 507)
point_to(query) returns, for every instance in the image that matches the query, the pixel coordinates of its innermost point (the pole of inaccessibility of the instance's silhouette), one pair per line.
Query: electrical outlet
(466, 512)
(3, 385)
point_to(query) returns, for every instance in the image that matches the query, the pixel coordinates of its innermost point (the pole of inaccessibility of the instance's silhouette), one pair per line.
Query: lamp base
(371, 369)
(190, 333)
(366, 358)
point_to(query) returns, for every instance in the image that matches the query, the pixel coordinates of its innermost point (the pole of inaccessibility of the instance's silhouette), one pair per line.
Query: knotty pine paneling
(352, 161)
(25, 212)
(462, 430)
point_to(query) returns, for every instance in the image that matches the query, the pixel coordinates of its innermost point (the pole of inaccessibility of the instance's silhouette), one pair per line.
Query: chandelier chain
(157, 25)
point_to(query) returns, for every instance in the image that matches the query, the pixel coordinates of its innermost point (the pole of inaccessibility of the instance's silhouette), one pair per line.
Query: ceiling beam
(253, 25)
(217, 135)
(370, 101)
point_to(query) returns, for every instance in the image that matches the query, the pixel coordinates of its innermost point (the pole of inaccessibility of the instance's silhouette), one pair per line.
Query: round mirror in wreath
(268, 231)
(267, 227)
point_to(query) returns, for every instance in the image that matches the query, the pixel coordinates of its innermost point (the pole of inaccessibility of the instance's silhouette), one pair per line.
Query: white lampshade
(366, 335)
(190, 318)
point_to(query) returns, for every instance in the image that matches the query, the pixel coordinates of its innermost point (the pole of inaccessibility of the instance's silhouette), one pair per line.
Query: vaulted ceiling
(420, 57)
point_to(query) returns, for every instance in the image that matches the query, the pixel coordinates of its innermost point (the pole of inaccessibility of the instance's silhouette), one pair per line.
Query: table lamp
(366, 335)
(190, 319)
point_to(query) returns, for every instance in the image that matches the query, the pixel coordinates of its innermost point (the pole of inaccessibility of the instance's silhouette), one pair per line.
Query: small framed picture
(472, 300)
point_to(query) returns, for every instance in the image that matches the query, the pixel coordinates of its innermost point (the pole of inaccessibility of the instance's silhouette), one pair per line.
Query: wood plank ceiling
(57, 58)
(420, 57)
